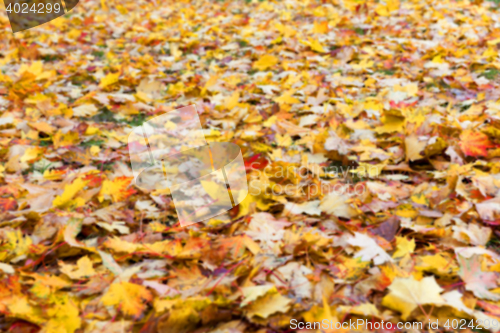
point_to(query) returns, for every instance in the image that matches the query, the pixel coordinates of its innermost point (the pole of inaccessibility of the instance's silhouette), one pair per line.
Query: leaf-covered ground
(371, 135)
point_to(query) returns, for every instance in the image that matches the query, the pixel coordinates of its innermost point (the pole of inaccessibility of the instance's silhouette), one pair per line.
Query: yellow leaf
(217, 192)
(403, 247)
(91, 130)
(130, 298)
(370, 170)
(31, 154)
(317, 314)
(406, 294)
(94, 150)
(320, 11)
(64, 317)
(406, 210)
(270, 121)
(109, 79)
(122, 9)
(36, 68)
(46, 285)
(363, 309)
(70, 191)
(116, 189)
(83, 268)
(414, 147)
(20, 307)
(391, 5)
(19, 245)
(373, 105)
(441, 264)
(283, 140)
(267, 305)
(320, 27)
(391, 124)
(247, 205)
(85, 110)
(119, 245)
(287, 98)
(490, 53)
(211, 82)
(251, 245)
(62, 140)
(267, 61)
(250, 294)
(420, 199)
(43, 127)
(286, 30)
(415, 117)
(338, 205)
(54, 174)
(363, 64)
(174, 50)
(232, 101)
(315, 45)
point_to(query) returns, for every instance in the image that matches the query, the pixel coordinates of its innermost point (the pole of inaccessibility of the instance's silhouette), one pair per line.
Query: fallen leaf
(131, 299)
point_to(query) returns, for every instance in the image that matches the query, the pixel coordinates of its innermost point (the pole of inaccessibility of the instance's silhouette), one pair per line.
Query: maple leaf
(7, 204)
(130, 298)
(31, 154)
(83, 268)
(109, 79)
(268, 304)
(315, 45)
(320, 27)
(54, 174)
(64, 139)
(265, 62)
(406, 294)
(369, 249)
(119, 245)
(116, 189)
(64, 316)
(70, 191)
(477, 280)
(317, 314)
(403, 247)
(287, 98)
(336, 204)
(296, 277)
(19, 306)
(474, 143)
(19, 243)
(232, 101)
(251, 294)
(86, 110)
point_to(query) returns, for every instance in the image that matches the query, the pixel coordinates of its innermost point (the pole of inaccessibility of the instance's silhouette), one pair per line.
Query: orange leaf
(130, 298)
(7, 204)
(474, 143)
(116, 189)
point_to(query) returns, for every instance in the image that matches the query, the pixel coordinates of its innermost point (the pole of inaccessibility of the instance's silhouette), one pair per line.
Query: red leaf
(256, 162)
(7, 204)
(474, 143)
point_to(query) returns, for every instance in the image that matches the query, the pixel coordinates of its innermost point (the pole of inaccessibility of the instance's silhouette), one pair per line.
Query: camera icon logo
(27, 14)
(205, 179)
